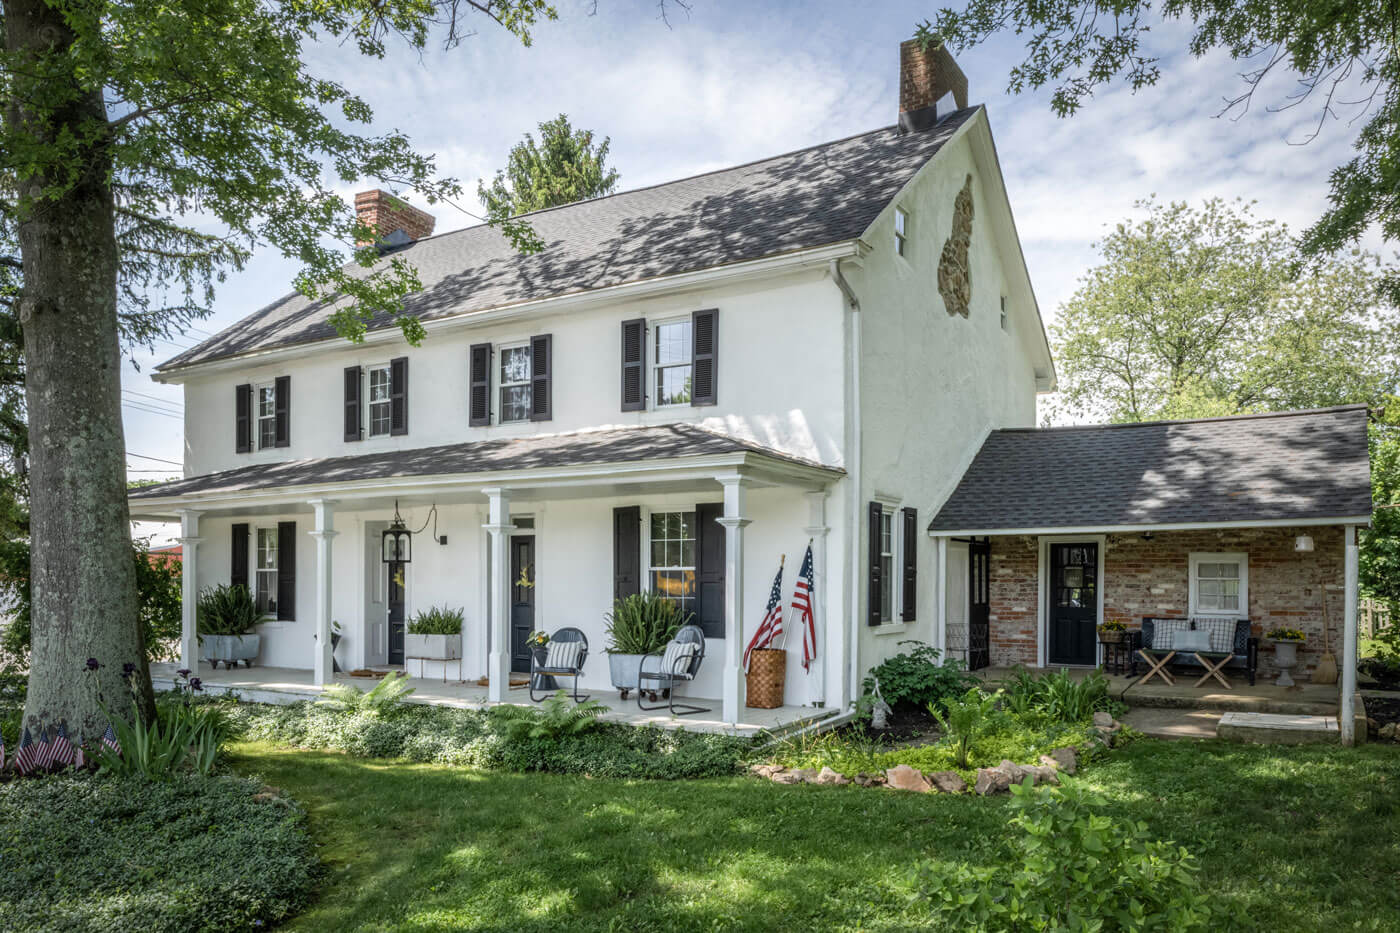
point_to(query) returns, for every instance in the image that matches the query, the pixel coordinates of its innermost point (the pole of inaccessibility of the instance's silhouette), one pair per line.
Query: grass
(1299, 839)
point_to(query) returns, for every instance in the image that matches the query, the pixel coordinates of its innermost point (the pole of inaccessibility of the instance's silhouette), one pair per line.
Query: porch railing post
(498, 654)
(189, 588)
(817, 530)
(734, 522)
(324, 532)
(1346, 716)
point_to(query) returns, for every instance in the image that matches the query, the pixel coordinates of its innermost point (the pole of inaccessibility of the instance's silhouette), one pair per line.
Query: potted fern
(435, 634)
(638, 625)
(225, 617)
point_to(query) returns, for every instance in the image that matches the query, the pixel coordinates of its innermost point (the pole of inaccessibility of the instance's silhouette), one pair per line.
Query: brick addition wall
(1150, 578)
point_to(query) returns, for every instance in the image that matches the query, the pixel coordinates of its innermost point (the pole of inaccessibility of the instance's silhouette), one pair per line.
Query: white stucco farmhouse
(690, 380)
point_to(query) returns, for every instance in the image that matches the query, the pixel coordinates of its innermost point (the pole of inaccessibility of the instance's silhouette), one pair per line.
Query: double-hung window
(267, 416)
(672, 366)
(673, 558)
(267, 571)
(515, 376)
(888, 544)
(378, 401)
(1220, 584)
(901, 227)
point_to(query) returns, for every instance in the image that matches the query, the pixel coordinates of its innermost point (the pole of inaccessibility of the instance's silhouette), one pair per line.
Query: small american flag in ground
(802, 608)
(62, 747)
(772, 625)
(44, 750)
(26, 754)
(109, 740)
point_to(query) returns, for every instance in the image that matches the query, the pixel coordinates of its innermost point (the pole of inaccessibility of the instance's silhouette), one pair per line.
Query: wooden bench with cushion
(1231, 646)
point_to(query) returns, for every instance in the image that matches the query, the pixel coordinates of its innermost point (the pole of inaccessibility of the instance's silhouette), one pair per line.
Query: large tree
(130, 129)
(1344, 54)
(1197, 311)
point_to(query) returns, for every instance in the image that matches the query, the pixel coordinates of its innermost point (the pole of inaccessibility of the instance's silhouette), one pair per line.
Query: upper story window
(901, 230)
(1005, 325)
(262, 414)
(379, 407)
(673, 369)
(267, 571)
(376, 397)
(267, 416)
(1219, 584)
(515, 375)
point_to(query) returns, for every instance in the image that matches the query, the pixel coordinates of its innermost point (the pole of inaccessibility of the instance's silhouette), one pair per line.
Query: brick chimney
(924, 77)
(386, 214)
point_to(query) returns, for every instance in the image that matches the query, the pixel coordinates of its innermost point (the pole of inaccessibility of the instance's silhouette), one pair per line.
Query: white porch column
(498, 657)
(733, 520)
(1346, 718)
(817, 530)
(324, 532)
(189, 588)
(940, 606)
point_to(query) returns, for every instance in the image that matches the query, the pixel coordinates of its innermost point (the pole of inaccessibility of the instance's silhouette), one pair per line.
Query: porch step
(1165, 723)
(1278, 729)
(1154, 697)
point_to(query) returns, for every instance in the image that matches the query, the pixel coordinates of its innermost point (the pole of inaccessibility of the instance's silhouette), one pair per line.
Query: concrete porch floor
(280, 685)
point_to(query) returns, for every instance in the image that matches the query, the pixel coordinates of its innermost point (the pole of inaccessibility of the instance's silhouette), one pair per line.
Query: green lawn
(1303, 839)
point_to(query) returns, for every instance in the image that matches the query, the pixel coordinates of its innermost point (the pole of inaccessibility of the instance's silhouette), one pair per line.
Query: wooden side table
(1120, 657)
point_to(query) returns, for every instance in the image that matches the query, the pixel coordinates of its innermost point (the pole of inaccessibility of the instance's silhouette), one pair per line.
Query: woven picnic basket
(767, 674)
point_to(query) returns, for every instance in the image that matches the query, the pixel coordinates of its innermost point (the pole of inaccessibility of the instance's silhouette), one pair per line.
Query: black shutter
(627, 551)
(634, 364)
(354, 410)
(479, 391)
(243, 418)
(398, 395)
(709, 569)
(282, 410)
(876, 511)
(704, 357)
(541, 377)
(286, 570)
(238, 556)
(910, 536)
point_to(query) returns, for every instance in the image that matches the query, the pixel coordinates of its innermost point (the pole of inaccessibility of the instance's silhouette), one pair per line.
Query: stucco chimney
(386, 215)
(924, 77)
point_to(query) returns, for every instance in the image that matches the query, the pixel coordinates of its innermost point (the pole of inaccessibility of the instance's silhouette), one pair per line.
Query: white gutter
(611, 294)
(853, 474)
(1171, 526)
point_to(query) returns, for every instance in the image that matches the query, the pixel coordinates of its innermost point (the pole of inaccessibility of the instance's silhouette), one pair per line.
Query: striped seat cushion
(563, 655)
(1164, 632)
(676, 660)
(1222, 633)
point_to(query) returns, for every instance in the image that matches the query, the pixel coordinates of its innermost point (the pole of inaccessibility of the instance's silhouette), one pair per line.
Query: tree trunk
(82, 578)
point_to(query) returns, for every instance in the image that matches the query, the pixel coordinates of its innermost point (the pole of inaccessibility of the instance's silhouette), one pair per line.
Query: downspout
(853, 444)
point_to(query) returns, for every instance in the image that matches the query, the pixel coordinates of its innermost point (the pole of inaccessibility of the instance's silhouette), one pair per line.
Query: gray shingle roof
(814, 197)
(1276, 467)
(619, 445)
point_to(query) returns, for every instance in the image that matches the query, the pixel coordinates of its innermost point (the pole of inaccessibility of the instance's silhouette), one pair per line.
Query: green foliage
(477, 738)
(383, 699)
(1379, 564)
(115, 855)
(183, 738)
(964, 719)
(564, 167)
(642, 623)
(1070, 867)
(915, 678)
(227, 610)
(437, 620)
(1285, 634)
(558, 717)
(1058, 696)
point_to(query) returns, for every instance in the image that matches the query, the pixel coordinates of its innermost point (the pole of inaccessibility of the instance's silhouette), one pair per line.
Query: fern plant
(557, 717)
(642, 623)
(380, 701)
(436, 620)
(965, 719)
(227, 610)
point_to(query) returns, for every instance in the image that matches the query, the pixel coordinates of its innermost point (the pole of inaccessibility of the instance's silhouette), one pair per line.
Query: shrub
(227, 610)
(382, 699)
(642, 623)
(556, 718)
(917, 679)
(965, 719)
(1072, 869)
(117, 855)
(438, 620)
(1060, 697)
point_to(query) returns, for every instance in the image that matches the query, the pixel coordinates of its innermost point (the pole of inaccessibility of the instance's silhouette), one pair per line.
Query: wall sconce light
(1303, 543)
(1147, 536)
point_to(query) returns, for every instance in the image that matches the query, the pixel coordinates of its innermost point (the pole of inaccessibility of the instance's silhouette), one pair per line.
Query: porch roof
(513, 460)
(1302, 467)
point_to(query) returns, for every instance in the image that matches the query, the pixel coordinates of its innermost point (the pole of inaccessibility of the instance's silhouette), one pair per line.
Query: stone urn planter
(433, 647)
(230, 649)
(1285, 659)
(626, 671)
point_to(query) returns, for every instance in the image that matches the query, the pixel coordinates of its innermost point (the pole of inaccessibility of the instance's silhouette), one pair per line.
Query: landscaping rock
(991, 781)
(786, 777)
(903, 777)
(1103, 720)
(1043, 774)
(1049, 762)
(949, 782)
(806, 775)
(767, 771)
(863, 780)
(1387, 731)
(1014, 772)
(828, 776)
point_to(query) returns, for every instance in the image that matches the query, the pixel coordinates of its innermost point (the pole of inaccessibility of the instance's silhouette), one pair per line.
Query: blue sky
(729, 82)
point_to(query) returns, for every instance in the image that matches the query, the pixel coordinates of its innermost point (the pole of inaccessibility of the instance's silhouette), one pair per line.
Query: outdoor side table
(1118, 657)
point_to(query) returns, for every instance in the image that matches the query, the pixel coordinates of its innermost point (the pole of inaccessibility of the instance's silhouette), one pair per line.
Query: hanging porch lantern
(397, 541)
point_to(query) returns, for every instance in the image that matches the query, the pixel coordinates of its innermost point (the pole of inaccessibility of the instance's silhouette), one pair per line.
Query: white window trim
(257, 531)
(499, 354)
(655, 327)
(901, 239)
(1005, 315)
(647, 567)
(258, 416)
(1196, 558)
(369, 403)
(896, 624)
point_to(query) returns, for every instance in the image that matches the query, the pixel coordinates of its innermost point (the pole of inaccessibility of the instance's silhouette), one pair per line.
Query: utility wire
(156, 459)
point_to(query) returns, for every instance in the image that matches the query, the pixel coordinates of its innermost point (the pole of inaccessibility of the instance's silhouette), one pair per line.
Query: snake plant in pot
(638, 625)
(225, 617)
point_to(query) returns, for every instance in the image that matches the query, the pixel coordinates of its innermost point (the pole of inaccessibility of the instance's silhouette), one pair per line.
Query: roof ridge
(1246, 416)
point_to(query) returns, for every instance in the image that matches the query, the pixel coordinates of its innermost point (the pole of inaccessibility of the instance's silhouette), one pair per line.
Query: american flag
(802, 608)
(27, 753)
(45, 751)
(772, 625)
(62, 748)
(109, 740)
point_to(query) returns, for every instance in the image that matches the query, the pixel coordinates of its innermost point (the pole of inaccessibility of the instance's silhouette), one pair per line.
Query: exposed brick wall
(925, 76)
(1149, 578)
(384, 213)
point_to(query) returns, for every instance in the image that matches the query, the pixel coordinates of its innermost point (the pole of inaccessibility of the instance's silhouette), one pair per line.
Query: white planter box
(436, 647)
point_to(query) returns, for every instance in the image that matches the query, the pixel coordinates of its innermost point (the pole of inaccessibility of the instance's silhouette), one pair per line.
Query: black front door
(979, 610)
(1074, 603)
(396, 589)
(522, 600)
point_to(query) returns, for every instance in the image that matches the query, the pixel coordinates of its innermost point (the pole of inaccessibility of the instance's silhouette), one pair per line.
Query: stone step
(1222, 701)
(1165, 723)
(1278, 729)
